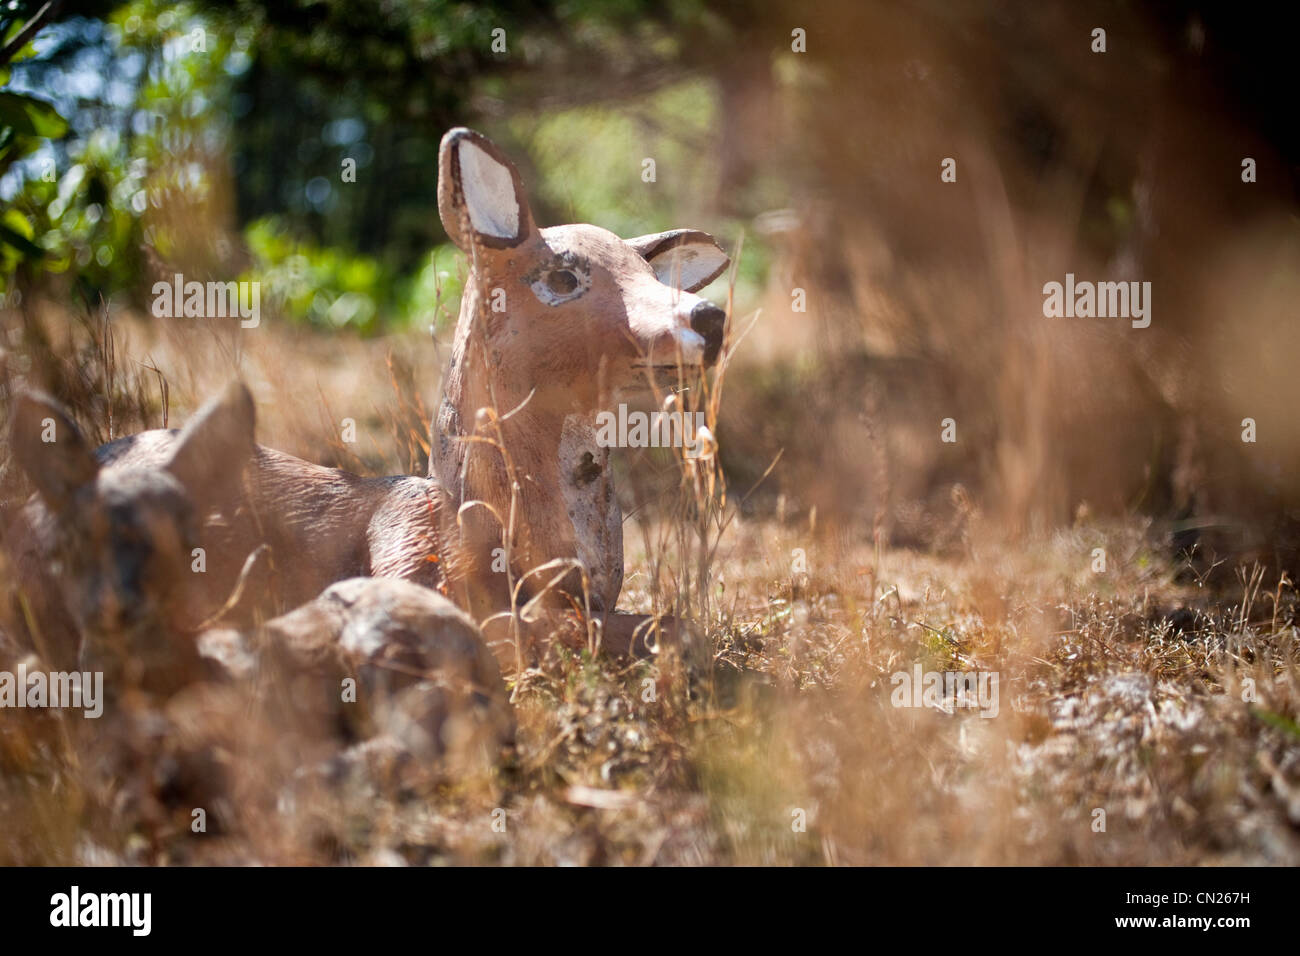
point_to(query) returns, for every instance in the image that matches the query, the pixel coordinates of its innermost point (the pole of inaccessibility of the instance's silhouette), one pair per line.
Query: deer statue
(556, 324)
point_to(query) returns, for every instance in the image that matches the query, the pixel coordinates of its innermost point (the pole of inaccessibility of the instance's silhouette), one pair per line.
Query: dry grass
(1120, 691)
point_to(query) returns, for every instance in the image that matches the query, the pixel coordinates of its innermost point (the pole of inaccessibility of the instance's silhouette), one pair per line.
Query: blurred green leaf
(1279, 721)
(29, 115)
(16, 232)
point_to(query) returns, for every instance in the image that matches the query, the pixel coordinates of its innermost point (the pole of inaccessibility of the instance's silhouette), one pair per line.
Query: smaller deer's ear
(50, 448)
(682, 258)
(214, 445)
(479, 190)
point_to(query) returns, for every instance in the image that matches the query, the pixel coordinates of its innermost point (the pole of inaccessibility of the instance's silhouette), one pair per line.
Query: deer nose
(709, 321)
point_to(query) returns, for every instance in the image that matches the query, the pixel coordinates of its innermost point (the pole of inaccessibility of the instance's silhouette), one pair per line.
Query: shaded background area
(214, 140)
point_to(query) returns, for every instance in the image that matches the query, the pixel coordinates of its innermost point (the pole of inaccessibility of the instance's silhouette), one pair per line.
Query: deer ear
(214, 445)
(685, 258)
(50, 448)
(480, 191)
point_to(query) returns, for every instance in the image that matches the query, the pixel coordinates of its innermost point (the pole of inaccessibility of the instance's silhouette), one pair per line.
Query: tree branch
(43, 15)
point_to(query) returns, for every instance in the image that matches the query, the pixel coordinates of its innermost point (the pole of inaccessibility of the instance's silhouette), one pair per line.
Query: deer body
(325, 524)
(321, 524)
(111, 533)
(148, 535)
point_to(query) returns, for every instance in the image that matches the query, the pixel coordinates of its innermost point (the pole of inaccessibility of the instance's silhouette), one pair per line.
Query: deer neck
(565, 507)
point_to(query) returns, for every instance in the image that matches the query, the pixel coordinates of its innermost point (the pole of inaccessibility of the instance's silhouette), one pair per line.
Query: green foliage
(590, 158)
(86, 218)
(431, 297)
(329, 288)
(28, 116)
(318, 285)
(131, 187)
(211, 139)
(589, 164)
(1279, 721)
(25, 121)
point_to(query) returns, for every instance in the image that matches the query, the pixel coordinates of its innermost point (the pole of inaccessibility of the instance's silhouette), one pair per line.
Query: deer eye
(562, 281)
(555, 286)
